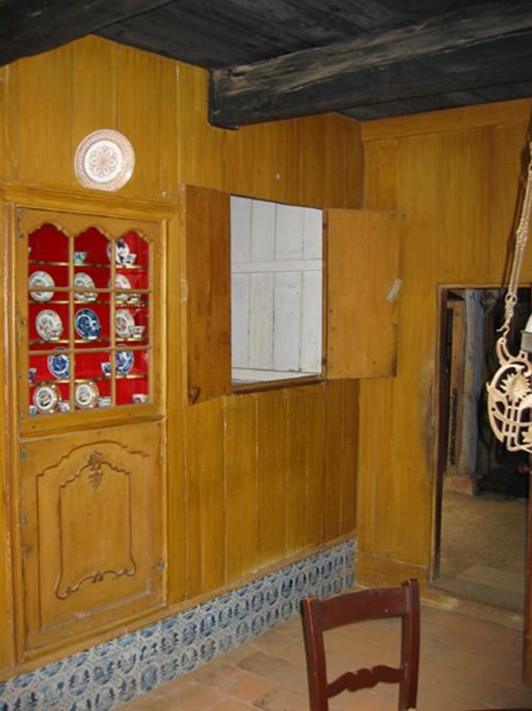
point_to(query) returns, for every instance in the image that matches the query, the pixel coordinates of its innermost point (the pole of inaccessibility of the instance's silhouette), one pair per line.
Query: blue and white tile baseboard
(113, 673)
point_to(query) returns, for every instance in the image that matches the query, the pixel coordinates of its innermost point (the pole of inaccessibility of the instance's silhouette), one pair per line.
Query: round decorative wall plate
(104, 160)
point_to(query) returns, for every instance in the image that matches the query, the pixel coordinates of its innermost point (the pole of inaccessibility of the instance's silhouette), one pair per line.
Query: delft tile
(105, 699)
(20, 682)
(149, 678)
(117, 671)
(103, 673)
(127, 689)
(207, 625)
(169, 670)
(52, 670)
(85, 705)
(78, 683)
(225, 616)
(188, 659)
(226, 642)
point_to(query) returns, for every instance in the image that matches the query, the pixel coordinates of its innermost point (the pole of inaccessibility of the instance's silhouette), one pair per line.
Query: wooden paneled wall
(283, 463)
(253, 479)
(455, 176)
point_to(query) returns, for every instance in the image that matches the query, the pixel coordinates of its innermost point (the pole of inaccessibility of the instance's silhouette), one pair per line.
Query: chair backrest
(378, 603)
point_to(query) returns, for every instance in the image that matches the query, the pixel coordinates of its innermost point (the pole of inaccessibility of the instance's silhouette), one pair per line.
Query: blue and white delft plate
(124, 362)
(59, 365)
(87, 324)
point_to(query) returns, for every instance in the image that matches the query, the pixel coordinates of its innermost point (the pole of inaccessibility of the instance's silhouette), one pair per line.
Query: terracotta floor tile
(282, 699)
(246, 687)
(231, 705)
(466, 663)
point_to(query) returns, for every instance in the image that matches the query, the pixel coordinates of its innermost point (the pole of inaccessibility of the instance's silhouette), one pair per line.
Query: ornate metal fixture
(510, 390)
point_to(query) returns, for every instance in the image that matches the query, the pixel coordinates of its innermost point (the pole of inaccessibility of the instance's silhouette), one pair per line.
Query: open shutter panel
(206, 225)
(362, 254)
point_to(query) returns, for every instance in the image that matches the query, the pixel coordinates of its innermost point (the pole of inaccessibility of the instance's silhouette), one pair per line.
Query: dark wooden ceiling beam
(469, 49)
(28, 27)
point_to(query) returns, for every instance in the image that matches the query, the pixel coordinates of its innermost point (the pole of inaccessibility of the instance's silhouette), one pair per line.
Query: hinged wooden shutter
(206, 228)
(362, 262)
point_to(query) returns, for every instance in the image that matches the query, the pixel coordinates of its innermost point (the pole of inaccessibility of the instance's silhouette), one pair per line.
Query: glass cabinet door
(89, 303)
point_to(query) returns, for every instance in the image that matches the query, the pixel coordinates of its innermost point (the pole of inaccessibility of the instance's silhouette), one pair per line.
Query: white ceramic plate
(46, 398)
(82, 280)
(49, 325)
(124, 323)
(122, 282)
(104, 160)
(41, 279)
(86, 395)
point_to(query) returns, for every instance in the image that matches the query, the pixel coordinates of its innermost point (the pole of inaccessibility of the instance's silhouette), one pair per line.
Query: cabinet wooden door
(91, 543)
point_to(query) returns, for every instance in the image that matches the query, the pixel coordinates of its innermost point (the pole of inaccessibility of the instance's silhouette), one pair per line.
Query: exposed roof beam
(28, 27)
(455, 52)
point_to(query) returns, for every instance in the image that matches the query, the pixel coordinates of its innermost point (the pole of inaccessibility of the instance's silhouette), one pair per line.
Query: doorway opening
(482, 489)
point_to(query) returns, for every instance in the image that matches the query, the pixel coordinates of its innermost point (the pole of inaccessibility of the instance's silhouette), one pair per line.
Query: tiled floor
(466, 663)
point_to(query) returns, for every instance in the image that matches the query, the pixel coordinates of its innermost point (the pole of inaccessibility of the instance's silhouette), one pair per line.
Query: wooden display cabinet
(89, 534)
(89, 308)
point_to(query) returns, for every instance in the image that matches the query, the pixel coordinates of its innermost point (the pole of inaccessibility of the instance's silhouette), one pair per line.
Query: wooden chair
(380, 603)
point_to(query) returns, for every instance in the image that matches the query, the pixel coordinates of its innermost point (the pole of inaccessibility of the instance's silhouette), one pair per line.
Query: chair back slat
(364, 605)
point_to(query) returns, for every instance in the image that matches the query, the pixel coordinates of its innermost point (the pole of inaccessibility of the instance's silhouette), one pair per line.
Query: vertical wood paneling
(200, 147)
(178, 547)
(362, 273)
(138, 81)
(271, 473)
(41, 117)
(7, 148)
(260, 332)
(335, 150)
(348, 464)
(262, 161)
(262, 230)
(205, 510)
(315, 434)
(264, 452)
(456, 183)
(333, 470)
(241, 477)
(94, 88)
(287, 321)
(311, 321)
(304, 510)
(341, 449)
(205, 227)
(9, 539)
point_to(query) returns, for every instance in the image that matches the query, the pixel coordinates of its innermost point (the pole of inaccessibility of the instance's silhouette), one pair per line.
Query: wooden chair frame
(380, 603)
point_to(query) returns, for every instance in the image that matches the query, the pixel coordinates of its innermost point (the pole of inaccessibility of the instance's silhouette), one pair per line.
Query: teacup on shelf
(106, 368)
(32, 372)
(137, 332)
(104, 401)
(129, 259)
(64, 406)
(80, 257)
(139, 398)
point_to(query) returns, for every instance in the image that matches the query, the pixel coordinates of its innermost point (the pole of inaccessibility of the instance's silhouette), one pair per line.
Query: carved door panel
(91, 531)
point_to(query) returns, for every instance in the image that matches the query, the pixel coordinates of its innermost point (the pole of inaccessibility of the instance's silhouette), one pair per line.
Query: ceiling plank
(461, 51)
(28, 27)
